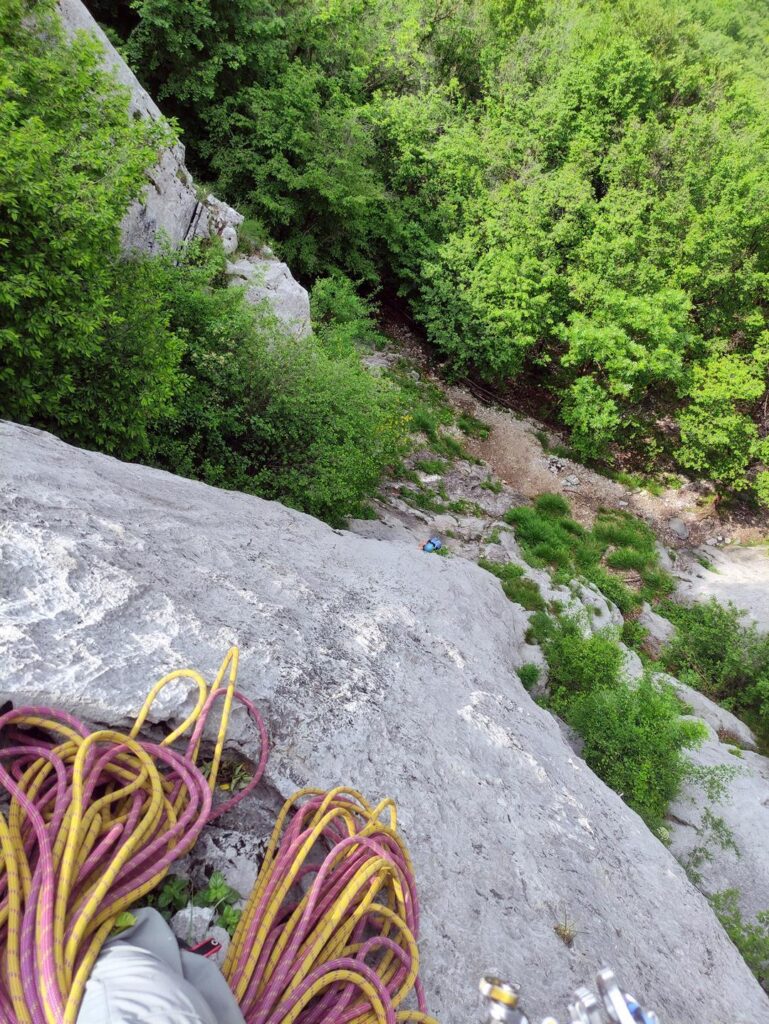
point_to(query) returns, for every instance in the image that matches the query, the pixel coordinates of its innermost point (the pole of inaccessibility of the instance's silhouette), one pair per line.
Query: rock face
(266, 278)
(735, 858)
(170, 210)
(378, 666)
(738, 574)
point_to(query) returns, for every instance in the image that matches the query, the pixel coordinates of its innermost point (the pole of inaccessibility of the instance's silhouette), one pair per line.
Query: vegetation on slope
(572, 191)
(716, 652)
(156, 359)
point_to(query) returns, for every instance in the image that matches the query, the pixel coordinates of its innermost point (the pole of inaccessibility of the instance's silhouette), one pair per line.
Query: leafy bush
(529, 675)
(85, 347)
(750, 938)
(716, 652)
(634, 740)
(579, 663)
(517, 588)
(634, 737)
(342, 319)
(266, 414)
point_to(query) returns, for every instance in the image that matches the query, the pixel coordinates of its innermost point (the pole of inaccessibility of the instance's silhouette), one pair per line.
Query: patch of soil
(683, 518)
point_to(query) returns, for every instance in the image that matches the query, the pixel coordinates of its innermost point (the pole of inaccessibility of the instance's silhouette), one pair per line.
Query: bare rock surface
(735, 857)
(728, 726)
(264, 277)
(737, 574)
(661, 630)
(377, 666)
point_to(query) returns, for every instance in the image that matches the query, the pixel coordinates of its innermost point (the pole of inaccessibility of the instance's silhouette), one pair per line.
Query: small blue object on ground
(433, 544)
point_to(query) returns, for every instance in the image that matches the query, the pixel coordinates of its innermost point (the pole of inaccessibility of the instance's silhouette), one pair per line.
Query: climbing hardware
(92, 821)
(610, 1006)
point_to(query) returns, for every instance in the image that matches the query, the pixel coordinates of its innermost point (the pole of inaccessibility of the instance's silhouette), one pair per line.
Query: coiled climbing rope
(93, 821)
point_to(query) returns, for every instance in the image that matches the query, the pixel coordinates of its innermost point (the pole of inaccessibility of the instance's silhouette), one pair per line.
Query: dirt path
(517, 457)
(682, 518)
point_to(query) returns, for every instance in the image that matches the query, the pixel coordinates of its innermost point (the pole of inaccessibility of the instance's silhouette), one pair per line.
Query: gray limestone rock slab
(268, 278)
(745, 812)
(738, 574)
(191, 923)
(661, 630)
(373, 667)
(169, 210)
(719, 719)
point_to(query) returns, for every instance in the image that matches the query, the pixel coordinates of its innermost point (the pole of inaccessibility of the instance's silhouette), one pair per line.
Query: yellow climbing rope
(96, 819)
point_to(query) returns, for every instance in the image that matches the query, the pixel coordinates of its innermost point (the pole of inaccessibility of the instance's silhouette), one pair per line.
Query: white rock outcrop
(170, 209)
(736, 574)
(378, 666)
(266, 278)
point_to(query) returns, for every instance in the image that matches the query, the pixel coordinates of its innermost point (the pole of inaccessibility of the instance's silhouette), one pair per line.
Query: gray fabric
(143, 976)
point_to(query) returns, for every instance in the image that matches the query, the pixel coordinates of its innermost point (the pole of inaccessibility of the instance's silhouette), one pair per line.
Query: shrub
(264, 413)
(529, 675)
(750, 938)
(85, 348)
(715, 651)
(634, 740)
(579, 663)
(342, 320)
(516, 587)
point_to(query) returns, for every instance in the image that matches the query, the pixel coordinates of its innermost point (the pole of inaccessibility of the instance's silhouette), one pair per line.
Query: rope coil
(96, 819)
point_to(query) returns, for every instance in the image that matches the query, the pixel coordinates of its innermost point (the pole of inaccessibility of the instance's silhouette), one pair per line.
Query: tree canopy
(573, 191)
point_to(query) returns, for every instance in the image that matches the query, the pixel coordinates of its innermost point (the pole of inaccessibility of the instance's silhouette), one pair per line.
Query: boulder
(264, 277)
(728, 727)
(377, 667)
(678, 527)
(660, 629)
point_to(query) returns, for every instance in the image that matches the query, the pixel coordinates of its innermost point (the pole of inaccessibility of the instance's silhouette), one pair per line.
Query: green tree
(717, 437)
(71, 160)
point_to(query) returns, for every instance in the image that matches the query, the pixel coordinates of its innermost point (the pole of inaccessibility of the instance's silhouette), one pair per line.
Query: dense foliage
(573, 191)
(156, 359)
(82, 344)
(716, 651)
(261, 412)
(634, 736)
